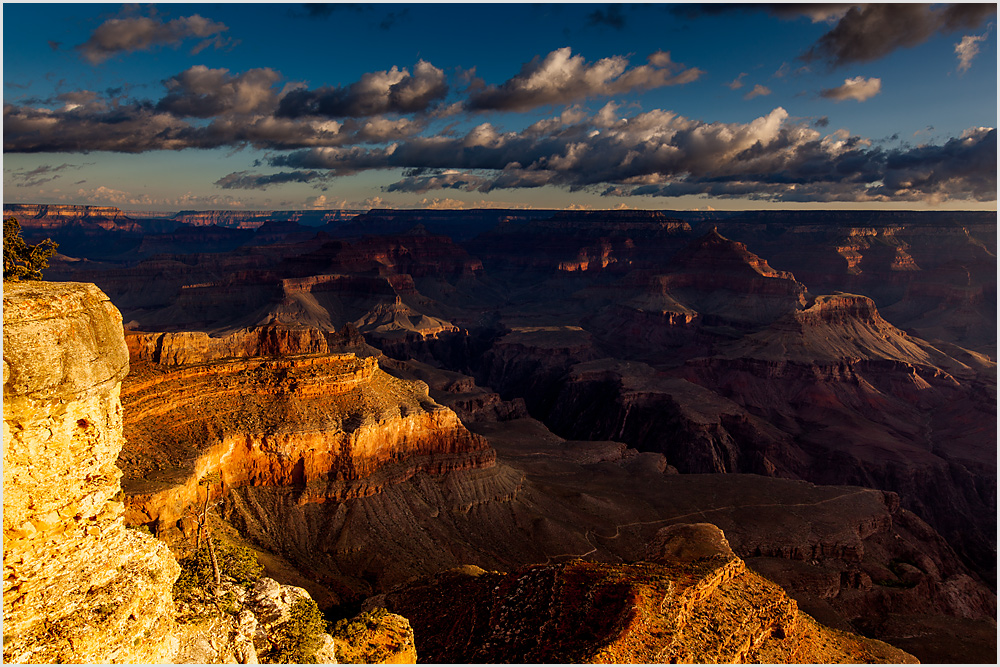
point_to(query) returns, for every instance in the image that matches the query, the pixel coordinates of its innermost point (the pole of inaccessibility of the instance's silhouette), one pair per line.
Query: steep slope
(871, 405)
(692, 600)
(713, 289)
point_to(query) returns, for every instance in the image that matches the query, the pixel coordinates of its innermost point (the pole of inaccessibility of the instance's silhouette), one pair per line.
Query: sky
(172, 107)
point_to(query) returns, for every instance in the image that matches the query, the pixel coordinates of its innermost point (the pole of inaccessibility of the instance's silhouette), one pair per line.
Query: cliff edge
(78, 585)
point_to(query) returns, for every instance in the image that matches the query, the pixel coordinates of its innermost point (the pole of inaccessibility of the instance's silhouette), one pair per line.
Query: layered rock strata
(78, 585)
(323, 427)
(691, 600)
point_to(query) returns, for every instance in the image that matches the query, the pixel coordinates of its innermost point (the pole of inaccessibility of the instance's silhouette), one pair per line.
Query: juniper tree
(21, 260)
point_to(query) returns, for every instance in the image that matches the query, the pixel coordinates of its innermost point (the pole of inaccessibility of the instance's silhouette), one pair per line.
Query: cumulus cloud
(395, 90)
(660, 153)
(869, 32)
(562, 78)
(859, 88)
(132, 128)
(240, 109)
(758, 91)
(967, 49)
(202, 92)
(613, 150)
(737, 83)
(143, 33)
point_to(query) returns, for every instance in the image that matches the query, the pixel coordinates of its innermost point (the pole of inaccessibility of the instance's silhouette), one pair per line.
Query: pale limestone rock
(78, 586)
(271, 605)
(271, 602)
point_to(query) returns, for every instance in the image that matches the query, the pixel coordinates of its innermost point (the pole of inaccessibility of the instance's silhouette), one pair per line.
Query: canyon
(402, 409)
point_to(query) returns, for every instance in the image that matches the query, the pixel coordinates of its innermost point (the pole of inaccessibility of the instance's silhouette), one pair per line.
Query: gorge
(412, 419)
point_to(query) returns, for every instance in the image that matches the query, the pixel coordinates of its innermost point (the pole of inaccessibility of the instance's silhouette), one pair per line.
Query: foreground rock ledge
(78, 585)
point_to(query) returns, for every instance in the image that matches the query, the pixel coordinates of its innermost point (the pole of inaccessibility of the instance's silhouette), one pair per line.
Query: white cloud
(562, 78)
(859, 88)
(967, 49)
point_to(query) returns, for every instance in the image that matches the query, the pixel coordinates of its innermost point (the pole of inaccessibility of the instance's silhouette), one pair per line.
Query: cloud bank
(391, 120)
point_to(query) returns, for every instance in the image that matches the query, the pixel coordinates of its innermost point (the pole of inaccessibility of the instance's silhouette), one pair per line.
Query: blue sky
(194, 106)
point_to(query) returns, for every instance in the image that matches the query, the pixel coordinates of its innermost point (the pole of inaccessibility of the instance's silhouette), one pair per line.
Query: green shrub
(350, 629)
(235, 563)
(21, 260)
(296, 640)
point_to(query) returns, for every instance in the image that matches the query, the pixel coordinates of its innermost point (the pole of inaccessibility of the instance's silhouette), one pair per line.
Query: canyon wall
(274, 408)
(78, 585)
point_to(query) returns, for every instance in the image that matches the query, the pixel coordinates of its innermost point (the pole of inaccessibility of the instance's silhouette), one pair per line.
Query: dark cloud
(863, 32)
(132, 128)
(244, 180)
(822, 122)
(40, 174)
(203, 93)
(562, 78)
(125, 35)
(392, 91)
(326, 9)
(420, 183)
(870, 32)
(816, 12)
(611, 16)
(392, 18)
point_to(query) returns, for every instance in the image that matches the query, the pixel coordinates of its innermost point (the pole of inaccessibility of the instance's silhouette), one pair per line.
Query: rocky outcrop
(197, 347)
(886, 400)
(323, 427)
(375, 637)
(78, 585)
(692, 600)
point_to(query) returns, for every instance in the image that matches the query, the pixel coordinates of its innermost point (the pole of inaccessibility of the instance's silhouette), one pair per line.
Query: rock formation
(650, 345)
(78, 585)
(691, 600)
(58, 216)
(281, 411)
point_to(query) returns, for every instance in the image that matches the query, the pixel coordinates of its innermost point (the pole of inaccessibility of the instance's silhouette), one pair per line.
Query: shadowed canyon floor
(563, 386)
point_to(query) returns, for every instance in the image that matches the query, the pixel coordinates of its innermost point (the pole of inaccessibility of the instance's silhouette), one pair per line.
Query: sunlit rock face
(690, 600)
(323, 427)
(78, 585)
(57, 216)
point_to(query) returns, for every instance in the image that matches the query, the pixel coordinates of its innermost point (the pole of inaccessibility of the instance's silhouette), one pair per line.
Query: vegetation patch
(20, 260)
(236, 563)
(296, 640)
